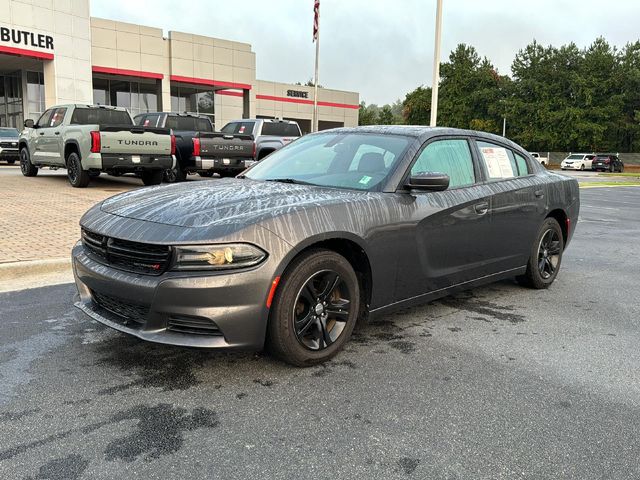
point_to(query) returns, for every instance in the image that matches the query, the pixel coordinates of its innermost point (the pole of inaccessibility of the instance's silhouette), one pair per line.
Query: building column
(246, 103)
(49, 77)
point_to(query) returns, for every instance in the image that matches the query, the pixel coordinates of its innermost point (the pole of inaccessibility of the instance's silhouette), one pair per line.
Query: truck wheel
(78, 177)
(26, 167)
(152, 177)
(206, 173)
(174, 175)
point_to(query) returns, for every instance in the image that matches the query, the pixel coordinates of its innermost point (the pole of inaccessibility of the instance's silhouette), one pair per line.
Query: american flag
(316, 14)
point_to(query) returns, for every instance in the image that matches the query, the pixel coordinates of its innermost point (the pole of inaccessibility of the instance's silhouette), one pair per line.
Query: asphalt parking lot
(497, 382)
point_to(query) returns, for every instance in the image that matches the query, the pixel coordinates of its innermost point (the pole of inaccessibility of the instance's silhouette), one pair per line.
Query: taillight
(95, 142)
(173, 144)
(196, 147)
(255, 148)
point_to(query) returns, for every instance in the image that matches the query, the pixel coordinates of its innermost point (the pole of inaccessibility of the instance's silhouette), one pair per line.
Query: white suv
(577, 161)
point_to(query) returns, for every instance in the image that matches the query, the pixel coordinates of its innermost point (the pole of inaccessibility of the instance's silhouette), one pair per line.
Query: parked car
(338, 226)
(269, 134)
(87, 140)
(577, 161)
(9, 145)
(608, 162)
(543, 160)
(184, 126)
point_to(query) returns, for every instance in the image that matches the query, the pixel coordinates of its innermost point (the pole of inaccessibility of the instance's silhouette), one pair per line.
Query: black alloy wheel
(545, 257)
(321, 310)
(77, 177)
(315, 308)
(549, 253)
(26, 167)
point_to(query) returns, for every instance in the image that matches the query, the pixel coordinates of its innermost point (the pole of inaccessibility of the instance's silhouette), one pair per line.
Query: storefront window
(137, 97)
(193, 100)
(35, 95)
(11, 100)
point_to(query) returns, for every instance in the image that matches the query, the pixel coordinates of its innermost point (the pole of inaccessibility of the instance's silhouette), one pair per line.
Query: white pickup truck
(87, 140)
(543, 160)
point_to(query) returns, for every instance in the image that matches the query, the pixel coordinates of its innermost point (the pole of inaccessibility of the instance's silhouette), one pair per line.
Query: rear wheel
(621, 168)
(152, 177)
(26, 167)
(545, 256)
(174, 175)
(206, 173)
(582, 167)
(314, 310)
(78, 177)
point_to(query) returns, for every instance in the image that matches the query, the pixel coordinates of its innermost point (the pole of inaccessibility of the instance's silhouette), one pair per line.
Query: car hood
(224, 201)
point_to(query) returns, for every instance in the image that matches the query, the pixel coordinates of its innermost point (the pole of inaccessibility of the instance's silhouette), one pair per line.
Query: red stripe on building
(211, 83)
(306, 102)
(26, 53)
(128, 73)
(230, 93)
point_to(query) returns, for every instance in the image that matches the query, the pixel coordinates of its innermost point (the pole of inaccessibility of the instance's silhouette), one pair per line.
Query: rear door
(517, 204)
(450, 237)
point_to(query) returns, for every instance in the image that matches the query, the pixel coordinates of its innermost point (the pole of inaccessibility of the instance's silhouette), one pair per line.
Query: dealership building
(53, 52)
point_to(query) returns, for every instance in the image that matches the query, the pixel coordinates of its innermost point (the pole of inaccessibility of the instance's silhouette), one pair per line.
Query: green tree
(416, 107)
(367, 114)
(385, 117)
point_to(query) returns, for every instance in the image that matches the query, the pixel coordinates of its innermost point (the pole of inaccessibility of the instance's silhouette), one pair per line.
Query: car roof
(423, 133)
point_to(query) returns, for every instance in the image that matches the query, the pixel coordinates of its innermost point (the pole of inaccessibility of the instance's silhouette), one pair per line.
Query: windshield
(342, 160)
(575, 157)
(9, 132)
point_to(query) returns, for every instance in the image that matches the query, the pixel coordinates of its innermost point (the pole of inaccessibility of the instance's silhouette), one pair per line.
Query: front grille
(9, 144)
(193, 326)
(123, 311)
(130, 256)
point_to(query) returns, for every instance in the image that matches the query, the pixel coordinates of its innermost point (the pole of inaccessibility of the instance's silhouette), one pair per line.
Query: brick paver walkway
(39, 215)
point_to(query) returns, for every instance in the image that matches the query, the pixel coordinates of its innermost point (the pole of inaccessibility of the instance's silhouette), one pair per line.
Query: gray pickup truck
(240, 144)
(87, 140)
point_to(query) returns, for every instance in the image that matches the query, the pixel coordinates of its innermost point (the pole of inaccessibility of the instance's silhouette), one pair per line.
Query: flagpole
(315, 82)
(436, 65)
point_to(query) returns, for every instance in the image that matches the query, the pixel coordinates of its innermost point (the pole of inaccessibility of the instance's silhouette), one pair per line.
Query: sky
(382, 49)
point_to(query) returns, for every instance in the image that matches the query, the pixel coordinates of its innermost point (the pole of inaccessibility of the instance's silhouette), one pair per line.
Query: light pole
(436, 66)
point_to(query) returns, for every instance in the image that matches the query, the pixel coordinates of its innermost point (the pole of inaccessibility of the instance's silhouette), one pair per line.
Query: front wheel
(78, 177)
(582, 167)
(152, 177)
(26, 167)
(315, 309)
(545, 256)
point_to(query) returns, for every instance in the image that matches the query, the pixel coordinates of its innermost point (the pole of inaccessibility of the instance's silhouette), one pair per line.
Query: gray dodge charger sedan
(337, 227)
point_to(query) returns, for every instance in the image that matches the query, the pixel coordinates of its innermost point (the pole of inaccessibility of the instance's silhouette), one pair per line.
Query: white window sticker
(365, 179)
(497, 161)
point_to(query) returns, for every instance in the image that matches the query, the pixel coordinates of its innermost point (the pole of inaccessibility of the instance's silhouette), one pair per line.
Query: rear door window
(523, 166)
(451, 156)
(498, 161)
(280, 129)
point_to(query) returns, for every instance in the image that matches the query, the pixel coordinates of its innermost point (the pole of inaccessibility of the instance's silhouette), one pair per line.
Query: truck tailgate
(222, 145)
(135, 140)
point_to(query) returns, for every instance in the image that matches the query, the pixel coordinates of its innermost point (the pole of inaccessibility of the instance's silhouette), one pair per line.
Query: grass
(610, 184)
(624, 174)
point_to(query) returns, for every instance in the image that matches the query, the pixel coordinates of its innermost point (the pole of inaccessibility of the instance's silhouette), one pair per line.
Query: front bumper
(11, 153)
(220, 310)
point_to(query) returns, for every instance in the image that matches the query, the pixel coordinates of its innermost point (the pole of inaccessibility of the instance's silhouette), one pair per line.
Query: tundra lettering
(140, 143)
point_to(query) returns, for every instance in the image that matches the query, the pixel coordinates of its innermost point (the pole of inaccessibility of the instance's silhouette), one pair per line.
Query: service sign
(297, 94)
(12, 37)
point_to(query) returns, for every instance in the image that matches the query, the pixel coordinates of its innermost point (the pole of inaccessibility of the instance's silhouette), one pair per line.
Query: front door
(50, 138)
(447, 241)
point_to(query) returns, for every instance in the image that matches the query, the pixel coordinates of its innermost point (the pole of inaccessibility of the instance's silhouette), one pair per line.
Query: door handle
(539, 193)
(56, 133)
(481, 208)
(41, 133)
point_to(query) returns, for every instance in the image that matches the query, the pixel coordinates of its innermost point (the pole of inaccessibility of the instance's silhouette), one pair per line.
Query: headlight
(218, 257)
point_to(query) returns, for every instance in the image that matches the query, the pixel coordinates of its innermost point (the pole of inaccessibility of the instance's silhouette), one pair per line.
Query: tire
(152, 177)
(541, 276)
(11, 162)
(621, 168)
(612, 169)
(174, 175)
(298, 330)
(77, 177)
(26, 167)
(206, 173)
(582, 167)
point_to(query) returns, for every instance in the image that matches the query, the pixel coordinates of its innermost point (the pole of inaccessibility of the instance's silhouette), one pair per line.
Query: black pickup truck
(185, 127)
(223, 153)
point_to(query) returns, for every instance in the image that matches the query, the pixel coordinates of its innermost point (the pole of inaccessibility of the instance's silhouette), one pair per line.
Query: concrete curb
(14, 270)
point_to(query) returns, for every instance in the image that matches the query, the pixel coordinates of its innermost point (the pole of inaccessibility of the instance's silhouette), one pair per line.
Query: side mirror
(28, 123)
(432, 181)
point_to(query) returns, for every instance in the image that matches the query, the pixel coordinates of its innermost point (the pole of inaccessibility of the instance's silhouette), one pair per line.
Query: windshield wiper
(289, 180)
